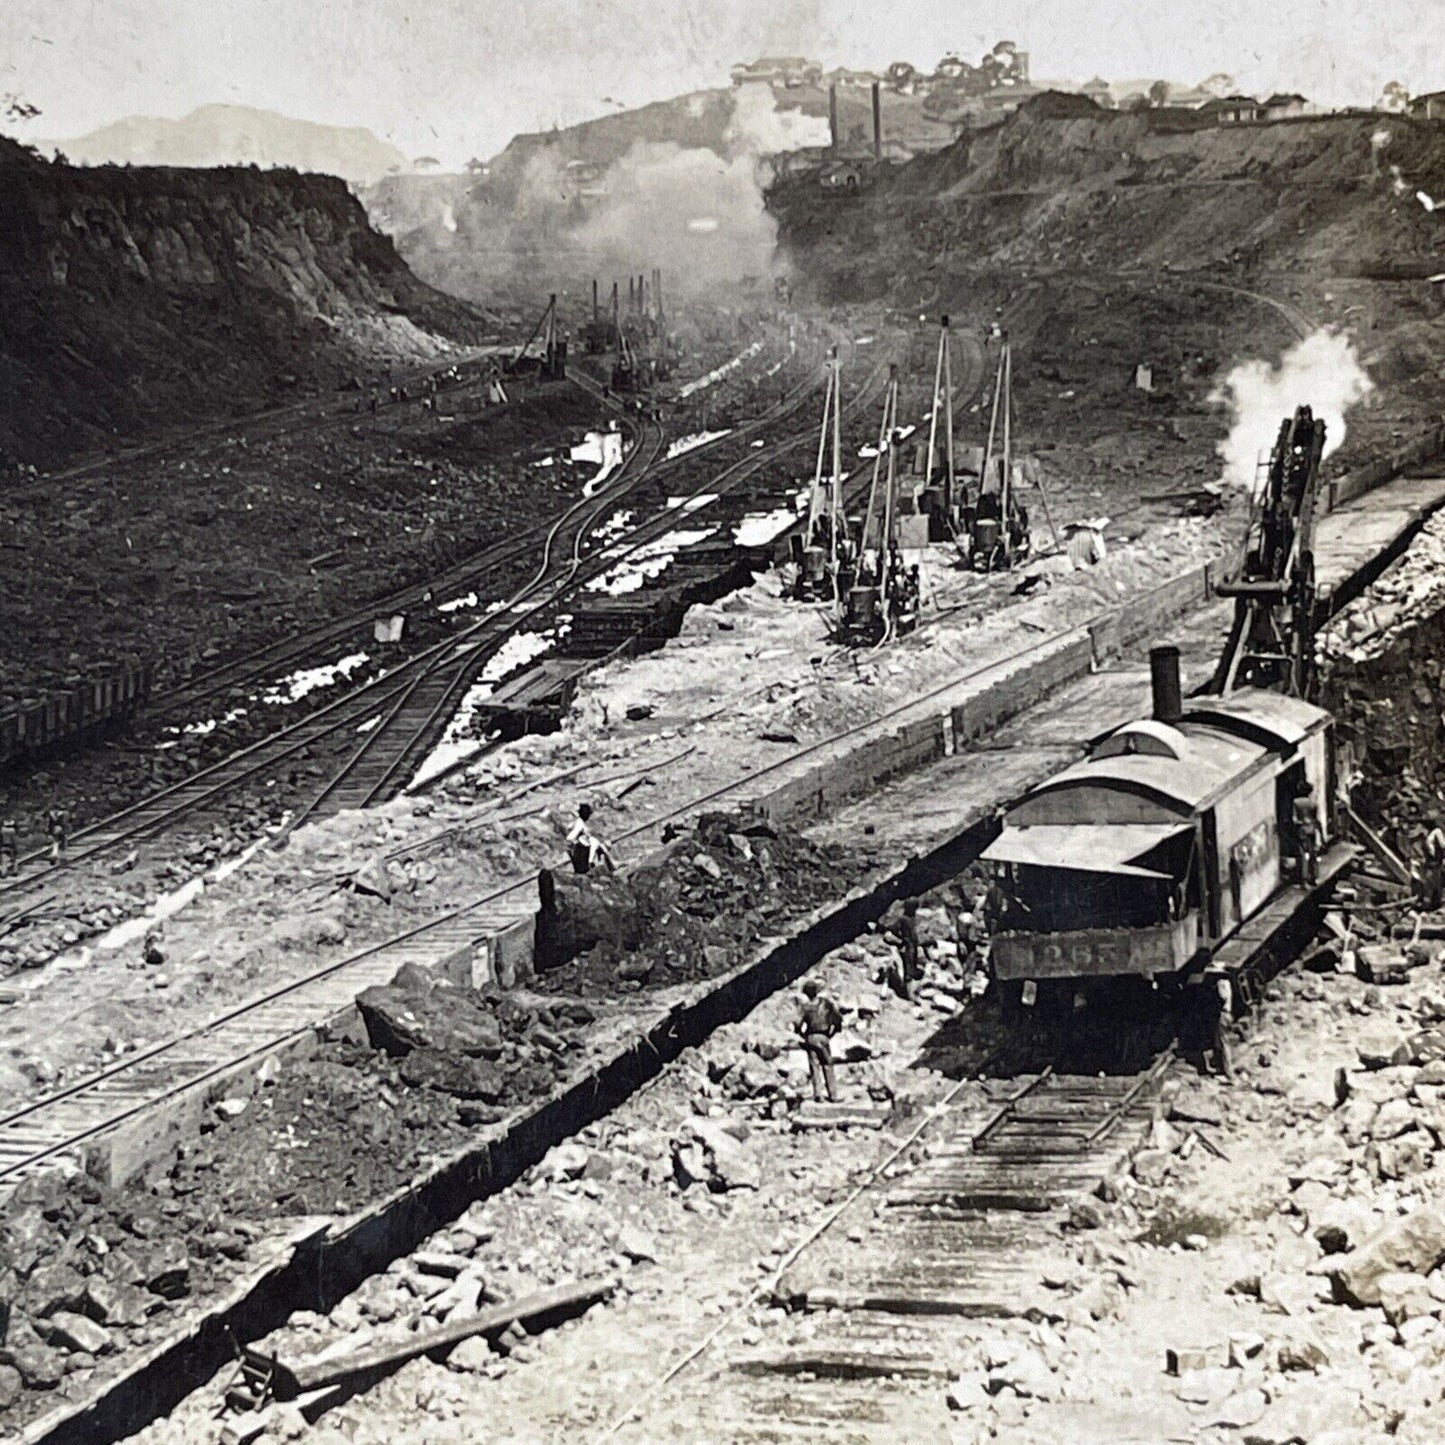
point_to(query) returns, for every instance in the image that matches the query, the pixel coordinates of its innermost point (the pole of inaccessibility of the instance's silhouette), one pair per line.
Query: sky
(457, 78)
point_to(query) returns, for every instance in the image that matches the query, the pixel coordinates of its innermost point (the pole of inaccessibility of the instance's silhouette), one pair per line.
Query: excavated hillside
(1107, 239)
(132, 298)
(1063, 183)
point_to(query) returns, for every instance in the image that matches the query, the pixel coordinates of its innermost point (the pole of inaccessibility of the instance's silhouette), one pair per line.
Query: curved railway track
(412, 696)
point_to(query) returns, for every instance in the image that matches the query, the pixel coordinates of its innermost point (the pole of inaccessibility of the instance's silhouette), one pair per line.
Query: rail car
(105, 700)
(1139, 861)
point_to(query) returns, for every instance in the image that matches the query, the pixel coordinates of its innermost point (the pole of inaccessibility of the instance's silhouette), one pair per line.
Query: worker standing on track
(9, 847)
(57, 829)
(818, 1022)
(1432, 873)
(584, 847)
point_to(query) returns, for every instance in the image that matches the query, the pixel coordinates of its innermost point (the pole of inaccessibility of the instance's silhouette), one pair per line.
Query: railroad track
(63, 1122)
(948, 1227)
(385, 761)
(412, 699)
(305, 647)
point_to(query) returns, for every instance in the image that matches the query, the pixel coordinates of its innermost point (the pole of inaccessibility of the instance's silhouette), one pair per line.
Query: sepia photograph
(722, 722)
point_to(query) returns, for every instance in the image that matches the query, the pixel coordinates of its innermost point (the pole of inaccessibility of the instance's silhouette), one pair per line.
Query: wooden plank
(294, 1380)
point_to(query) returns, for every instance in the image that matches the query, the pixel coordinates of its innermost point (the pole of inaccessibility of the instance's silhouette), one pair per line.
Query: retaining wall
(1423, 448)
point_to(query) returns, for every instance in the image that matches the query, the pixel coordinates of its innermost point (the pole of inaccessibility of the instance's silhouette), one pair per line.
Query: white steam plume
(1322, 372)
(698, 215)
(758, 128)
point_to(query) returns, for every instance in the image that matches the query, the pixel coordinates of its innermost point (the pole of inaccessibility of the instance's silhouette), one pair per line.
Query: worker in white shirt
(584, 847)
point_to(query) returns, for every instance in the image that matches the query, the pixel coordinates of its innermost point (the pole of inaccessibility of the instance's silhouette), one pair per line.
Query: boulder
(566, 1161)
(1087, 1214)
(39, 1366)
(458, 1075)
(399, 1020)
(731, 1167)
(1382, 963)
(635, 968)
(1287, 1294)
(689, 1165)
(10, 1387)
(374, 879)
(1427, 1047)
(1241, 1409)
(1301, 1353)
(1189, 1359)
(472, 1356)
(162, 1266)
(1341, 1224)
(74, 1332)
(1413, 1244)
(117, 1304)
(1192, 1105)
(1403, 1158)
(1027, 1376)
(1393, 1118)
(1405, 1296)
(1152, 1166)
(751, 1078)
(1383, 1050)
(51, 1288)
(635, 1245)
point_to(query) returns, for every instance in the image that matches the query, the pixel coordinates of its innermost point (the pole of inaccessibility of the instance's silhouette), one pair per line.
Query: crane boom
(1271, 640)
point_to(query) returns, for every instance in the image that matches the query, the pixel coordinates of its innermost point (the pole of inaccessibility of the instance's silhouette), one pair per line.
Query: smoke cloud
(1322, 372)
(696, 213)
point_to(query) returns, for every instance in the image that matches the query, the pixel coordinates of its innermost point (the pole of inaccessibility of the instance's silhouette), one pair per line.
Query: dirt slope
(1072, 185)
(132, 298)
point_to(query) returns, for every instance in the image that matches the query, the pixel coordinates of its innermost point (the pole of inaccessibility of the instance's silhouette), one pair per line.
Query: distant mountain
(227, 135)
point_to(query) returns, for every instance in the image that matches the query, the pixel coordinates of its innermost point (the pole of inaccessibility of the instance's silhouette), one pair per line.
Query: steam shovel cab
(1139, 861)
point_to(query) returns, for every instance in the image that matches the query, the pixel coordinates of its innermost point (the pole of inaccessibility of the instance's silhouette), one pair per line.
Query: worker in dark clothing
(1307, 837)
(9, 847)
(57, 829)
(1215, 1008)
(818, 1022)
(994, 908)
(910, 966)
(1432, 873)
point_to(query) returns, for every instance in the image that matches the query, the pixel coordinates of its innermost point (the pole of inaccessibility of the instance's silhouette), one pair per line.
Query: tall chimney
(833, 116)
(1164, 682)
(877, 123)
(594, 301)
